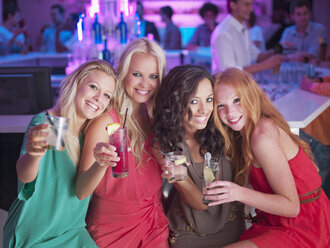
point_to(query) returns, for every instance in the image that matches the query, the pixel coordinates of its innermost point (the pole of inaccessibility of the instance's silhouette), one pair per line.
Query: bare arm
(268, 62)
(187, 189)
(97, 156)
(272, 159)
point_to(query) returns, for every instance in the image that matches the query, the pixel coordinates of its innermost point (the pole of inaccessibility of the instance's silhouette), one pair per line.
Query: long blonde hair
(256, 105)
(123, 101)
(66, 103)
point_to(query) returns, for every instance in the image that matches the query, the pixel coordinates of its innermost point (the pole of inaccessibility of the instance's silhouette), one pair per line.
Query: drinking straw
(208, 157)
(125, 118)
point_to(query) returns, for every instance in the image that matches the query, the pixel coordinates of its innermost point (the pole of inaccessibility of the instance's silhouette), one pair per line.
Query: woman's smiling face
(229, 107)
(142, 79)
(201, 107)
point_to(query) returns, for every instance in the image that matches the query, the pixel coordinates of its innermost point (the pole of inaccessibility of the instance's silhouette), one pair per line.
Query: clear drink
(211, 173)
(57, 131)
(119, 140)
(176, 161)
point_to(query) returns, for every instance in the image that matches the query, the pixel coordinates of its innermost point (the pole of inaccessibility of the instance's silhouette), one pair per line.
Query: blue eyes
(94, 87)
(136, 74)
(153, 76)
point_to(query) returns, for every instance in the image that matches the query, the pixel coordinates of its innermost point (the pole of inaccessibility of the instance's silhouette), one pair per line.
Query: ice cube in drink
(176, 161)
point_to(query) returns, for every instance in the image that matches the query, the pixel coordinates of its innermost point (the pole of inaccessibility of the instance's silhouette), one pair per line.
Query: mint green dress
(47, 213)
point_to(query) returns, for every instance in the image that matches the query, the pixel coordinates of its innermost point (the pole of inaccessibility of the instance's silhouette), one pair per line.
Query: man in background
(146, 26)
(56, 35)
(305, 35)
(231, 44)
(202, 34)
(13, 34)
(172, 37)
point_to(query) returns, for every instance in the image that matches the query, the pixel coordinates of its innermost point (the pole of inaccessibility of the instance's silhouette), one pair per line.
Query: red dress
(127, 212)
(311, 228)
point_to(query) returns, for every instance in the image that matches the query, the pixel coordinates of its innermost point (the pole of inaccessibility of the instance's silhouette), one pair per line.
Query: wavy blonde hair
(122, 101)
(256, 105)
(66, 103)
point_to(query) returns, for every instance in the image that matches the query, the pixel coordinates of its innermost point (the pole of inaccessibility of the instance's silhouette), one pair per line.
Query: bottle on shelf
(106, 53)
(122, 29)
(138, 26)
(97, 31)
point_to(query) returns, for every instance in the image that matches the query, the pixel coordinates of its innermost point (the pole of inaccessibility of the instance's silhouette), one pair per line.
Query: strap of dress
(114, 116)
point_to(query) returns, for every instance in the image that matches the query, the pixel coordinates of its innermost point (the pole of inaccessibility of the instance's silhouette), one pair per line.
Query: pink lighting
(123, 7)
(93, 8)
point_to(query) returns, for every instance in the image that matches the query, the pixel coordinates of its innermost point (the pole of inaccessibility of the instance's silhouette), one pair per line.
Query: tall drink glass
(176, 161)
(119, 140)
(211, 172)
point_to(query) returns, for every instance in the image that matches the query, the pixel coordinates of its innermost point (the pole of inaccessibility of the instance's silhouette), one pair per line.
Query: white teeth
(234, 120)
(200, 119)
(142, 92)
(92, 105)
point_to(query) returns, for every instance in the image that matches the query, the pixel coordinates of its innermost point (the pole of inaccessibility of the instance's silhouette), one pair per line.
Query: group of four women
(184, 110)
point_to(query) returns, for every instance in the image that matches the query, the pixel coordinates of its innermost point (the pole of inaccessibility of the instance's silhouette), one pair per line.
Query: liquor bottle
(106, 53)
(122, 29)
(97, 31)
(138, 26)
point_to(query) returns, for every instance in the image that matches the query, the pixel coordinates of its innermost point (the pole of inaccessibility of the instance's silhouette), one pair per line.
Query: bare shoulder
(265, 131)
(102, 121)
(96, 131)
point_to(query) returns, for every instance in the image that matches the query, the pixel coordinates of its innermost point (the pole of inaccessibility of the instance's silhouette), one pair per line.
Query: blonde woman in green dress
(47, 212)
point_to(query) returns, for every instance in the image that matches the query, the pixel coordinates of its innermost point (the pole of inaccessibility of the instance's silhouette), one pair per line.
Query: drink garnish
(208, 175)
(111, 128)
(180, 161)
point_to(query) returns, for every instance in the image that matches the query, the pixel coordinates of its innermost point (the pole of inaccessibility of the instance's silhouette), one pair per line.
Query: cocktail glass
(119, 140)
(176, 161)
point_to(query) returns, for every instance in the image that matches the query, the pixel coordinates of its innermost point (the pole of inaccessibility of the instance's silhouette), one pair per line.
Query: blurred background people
(317, 134)
(320, 85)
(13, 34)
(256, 33)
(305, 35)
(231, 44)
(146, 26)
(202, 34)
(172, 37)
(55, 36)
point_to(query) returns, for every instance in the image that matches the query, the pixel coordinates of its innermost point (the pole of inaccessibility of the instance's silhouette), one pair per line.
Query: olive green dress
(47, 213)
(216, 226)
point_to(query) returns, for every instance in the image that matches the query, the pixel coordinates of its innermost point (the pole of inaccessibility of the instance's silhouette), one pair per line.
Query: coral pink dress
(127, 212)
(311, 228)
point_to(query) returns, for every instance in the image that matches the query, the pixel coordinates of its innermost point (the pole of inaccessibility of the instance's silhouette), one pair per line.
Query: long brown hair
(256, 105)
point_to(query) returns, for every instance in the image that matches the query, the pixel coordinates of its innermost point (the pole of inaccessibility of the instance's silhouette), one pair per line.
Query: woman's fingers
(105, 154)
(36, 143)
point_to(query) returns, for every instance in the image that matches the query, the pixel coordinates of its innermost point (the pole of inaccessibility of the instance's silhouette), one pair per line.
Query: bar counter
(35, 59)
